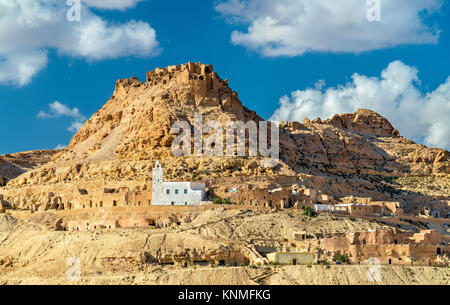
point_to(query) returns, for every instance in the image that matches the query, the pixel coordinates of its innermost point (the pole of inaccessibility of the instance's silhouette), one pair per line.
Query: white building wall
(322, 207)
(175, 193)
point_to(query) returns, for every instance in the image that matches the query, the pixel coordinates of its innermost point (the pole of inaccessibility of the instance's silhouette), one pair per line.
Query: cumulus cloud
(112, 4)
(396, 95)
(75, 126)
(57, 109)
(294, 27)
(20, 67)
(60, 146)
(30, 28)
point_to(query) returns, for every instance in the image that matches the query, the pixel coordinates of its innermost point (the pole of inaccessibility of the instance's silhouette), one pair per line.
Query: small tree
(342, 258)
(308, 211)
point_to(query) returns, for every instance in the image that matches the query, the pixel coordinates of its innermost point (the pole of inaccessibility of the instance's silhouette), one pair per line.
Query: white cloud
(30, 28)
(75, 126)
(294, 27)
(112, 4)
(96, 40)
(395, 95)
(19, 68)
(56, 109)
(60, 146)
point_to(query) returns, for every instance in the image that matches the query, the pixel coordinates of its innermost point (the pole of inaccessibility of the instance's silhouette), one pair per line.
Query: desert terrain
(32, 252)
(343, 191)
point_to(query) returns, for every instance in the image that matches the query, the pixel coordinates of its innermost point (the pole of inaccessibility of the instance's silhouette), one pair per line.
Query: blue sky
(261, 71)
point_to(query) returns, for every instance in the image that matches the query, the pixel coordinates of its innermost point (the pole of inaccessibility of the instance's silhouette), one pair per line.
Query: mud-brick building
(379, 208)
(352, 209)
(108, 197)
(229, 257)
(391, 247)
(283, 197)
(291, 258)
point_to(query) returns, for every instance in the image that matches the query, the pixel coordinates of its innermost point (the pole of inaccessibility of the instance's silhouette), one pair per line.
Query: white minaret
(158, 179)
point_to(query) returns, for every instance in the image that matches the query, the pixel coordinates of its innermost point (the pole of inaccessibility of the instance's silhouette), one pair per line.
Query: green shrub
(342, 258)
(217, 201)
(308, 211)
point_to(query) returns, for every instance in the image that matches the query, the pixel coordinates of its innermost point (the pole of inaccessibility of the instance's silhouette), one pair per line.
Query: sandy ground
(286, 275)
(31, 253)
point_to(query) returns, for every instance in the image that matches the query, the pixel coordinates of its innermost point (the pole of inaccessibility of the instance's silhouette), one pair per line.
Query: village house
(282, 197)
(426, 247)
(352, 209)
(290, 258)
(379, 208)
(175, 193)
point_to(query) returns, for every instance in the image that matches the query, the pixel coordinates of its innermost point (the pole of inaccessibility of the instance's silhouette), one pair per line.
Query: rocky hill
(350, 154)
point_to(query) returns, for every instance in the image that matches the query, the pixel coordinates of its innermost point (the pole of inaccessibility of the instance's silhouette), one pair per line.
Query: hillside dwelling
(391, 247)
(290, 258)
(175, 193)
(381, 208)
(351, 209)
(299, 235)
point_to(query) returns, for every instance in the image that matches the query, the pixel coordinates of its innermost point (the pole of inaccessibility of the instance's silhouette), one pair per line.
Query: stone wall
(390, 247)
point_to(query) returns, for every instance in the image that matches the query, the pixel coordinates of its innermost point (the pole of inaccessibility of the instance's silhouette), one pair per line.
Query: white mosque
(175, 193)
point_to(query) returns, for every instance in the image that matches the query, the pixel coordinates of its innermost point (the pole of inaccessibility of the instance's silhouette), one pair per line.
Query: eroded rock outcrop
(13, 165)
(365, 122)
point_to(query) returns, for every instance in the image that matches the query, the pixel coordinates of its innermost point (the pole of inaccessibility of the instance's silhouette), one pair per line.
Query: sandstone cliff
(13, 165)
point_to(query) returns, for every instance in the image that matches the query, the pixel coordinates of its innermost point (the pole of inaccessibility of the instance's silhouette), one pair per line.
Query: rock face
(364, 122)
(138, 118)
(350, 154)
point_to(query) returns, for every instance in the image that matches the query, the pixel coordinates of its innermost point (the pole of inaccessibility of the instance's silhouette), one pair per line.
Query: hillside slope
(14, 165)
